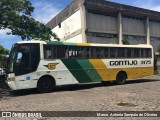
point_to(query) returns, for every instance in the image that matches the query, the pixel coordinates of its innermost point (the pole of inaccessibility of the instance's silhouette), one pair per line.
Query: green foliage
(16, 16)
(125, 41)
(3, 53)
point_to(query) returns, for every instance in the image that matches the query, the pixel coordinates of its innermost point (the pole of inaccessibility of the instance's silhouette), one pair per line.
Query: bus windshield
(11, 58)
(23, 58)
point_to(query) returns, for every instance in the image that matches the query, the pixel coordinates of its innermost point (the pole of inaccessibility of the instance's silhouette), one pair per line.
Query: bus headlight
(11, 79)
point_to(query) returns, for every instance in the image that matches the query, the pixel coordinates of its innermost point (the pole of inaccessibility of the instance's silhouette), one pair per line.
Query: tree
(16, 16)
(125, 41)
(3, 50)
(3, 53)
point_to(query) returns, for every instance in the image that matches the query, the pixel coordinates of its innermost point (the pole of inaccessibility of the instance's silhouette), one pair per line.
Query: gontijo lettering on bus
(129, 62)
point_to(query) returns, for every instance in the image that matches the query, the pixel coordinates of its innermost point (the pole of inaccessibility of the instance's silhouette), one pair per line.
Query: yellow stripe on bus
(108, 74)
(83, 44)
(100, 67)
(138, 72)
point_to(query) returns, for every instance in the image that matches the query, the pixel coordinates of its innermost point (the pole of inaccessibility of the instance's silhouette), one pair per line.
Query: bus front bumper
(11, 81)
(12, 85)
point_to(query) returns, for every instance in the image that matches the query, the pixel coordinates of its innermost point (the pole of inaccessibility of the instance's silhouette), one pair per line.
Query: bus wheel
(121, 78)
(45, 84)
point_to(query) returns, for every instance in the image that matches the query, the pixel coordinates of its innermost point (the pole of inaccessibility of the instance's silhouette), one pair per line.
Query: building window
(102, 35)
(131, 17)
(154, 21)
(102, 13)
(133, 37)
(155, 38)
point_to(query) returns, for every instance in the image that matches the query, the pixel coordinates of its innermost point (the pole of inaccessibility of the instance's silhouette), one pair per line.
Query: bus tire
(121, 78)
(45, 84)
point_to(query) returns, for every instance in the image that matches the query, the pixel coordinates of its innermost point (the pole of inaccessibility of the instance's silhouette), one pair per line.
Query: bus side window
(121, 52)
(106, 52)
(53, 52)
(113, 52)
(129, 52)
(67, 53)
(137, 52)
(102, 53)
(143, 53)
(73, 52)
(89, 52)
(61, 51)
(97, 52)
(79, 52)
(47, 52)
(70, 52)
(84, 55)
(93, 52)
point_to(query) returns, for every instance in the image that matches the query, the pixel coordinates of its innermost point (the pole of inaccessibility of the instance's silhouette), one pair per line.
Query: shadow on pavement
(76, 87)
(140, 81)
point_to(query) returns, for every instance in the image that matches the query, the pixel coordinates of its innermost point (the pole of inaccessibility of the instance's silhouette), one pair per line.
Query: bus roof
(84, 44)
(32, 41)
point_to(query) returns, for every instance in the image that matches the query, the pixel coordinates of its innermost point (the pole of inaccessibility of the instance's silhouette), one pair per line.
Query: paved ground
(136, 95)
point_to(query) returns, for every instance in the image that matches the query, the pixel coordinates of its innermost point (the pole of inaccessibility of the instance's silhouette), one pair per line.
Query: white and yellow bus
(43, 65)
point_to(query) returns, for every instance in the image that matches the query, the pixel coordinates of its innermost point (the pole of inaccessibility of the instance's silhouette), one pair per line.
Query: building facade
(100, 21)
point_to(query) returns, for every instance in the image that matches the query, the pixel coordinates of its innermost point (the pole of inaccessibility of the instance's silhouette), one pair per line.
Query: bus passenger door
(22, 67)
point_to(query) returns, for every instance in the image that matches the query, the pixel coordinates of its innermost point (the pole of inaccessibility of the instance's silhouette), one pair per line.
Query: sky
(45, 10)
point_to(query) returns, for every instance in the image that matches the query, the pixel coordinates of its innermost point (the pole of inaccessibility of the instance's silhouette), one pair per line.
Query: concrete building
(101, 21)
